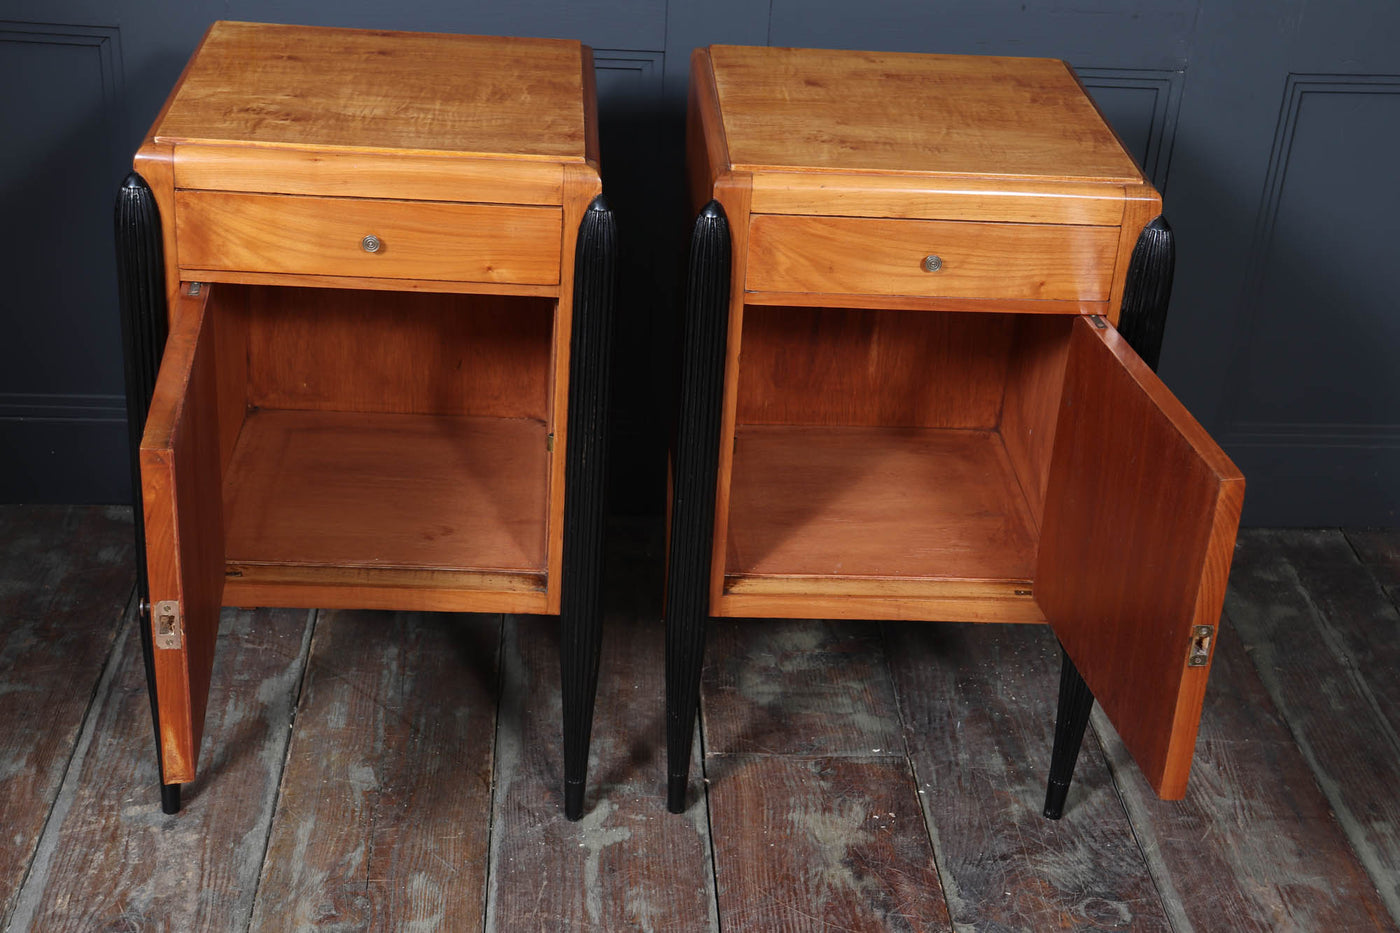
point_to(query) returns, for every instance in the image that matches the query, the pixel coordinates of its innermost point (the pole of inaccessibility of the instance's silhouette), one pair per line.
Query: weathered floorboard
(109, 859)
(1254, 846)
(978, 704)
(1379, 550)
(384, 812)
(66, 576)
(798, 688)
(628, 864)
(1325, 640)
(821, 844)
(813, 808)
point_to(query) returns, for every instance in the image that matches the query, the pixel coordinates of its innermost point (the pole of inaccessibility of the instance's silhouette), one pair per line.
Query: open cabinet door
(181, 488)
(1141, 512)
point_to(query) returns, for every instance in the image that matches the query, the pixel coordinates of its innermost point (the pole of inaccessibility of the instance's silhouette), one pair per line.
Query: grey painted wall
(1269, 126)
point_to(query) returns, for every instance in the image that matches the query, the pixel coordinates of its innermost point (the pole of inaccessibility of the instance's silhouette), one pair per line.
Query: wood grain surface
(181, 491)
(827, 110)
(346, 489)
(352, 174)
(1321, 632)
(768, 690)
(877, 256)
(384, 812)
(356, 350)
(825, 366)
(883, 502)
(980, 199)
(821, 844)
(272, 234)
(979, 712)
(628, 864)
(1289, 822)
(66, 580)
(1254, 845)
(1379, 550)
(109, 859)
(1030, 408)
(1141, 509)
(316, 87)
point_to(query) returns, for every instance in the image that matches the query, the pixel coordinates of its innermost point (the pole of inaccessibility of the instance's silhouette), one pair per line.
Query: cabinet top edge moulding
(951, 116)
(368, 90)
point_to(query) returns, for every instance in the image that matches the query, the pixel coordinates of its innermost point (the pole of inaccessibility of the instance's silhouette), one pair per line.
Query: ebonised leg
(1076, 703)
(141, 283)
(585, 488)
(1142, 323)
(695, 465)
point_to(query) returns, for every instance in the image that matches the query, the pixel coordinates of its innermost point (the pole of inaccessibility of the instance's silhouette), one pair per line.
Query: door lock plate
(1201, 637)
(167, 624)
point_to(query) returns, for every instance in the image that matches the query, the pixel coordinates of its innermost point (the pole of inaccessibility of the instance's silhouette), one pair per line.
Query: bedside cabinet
(925, 301)
(366, 290)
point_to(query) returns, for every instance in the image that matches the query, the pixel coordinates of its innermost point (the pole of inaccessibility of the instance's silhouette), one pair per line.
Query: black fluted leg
(141, 284)
(695, 465)
(1076, 703)
(1147, 291)
(1142, 323)
(585, 488)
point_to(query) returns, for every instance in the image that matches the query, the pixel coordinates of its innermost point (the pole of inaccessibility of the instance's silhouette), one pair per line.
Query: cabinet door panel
(182, 497)
(1140, 518)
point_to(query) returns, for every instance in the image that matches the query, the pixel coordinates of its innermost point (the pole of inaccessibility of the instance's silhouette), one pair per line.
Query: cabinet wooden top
(316, 87)
(881, 112)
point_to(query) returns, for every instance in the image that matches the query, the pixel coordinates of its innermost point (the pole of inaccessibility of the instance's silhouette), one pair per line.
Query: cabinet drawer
(231, 232)
(865, 256)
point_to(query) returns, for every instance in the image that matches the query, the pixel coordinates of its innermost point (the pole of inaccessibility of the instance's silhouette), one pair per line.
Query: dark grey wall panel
(1103, 33)
(59, 381)
(1267, 124)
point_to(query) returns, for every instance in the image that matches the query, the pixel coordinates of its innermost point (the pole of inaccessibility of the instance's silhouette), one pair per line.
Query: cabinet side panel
(832, 366)
(1034, 378)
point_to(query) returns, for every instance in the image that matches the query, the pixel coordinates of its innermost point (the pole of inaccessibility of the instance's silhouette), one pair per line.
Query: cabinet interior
(892, 445)
(377, 437)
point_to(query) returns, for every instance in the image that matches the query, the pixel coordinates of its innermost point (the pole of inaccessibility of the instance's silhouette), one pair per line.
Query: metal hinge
(1201, 636)
(168, 624)
(549, 441)
(1098, 322)
(194, 288)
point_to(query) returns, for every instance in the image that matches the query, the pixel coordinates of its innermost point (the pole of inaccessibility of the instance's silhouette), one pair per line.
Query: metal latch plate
(1200, 646)
(167, 624)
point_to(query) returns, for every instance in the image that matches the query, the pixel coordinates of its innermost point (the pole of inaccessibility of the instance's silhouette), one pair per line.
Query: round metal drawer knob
(932, 263)
(372, 244)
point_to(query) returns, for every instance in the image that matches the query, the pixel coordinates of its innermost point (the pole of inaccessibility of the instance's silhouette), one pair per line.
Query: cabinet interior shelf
(386, 494)
(869, 504)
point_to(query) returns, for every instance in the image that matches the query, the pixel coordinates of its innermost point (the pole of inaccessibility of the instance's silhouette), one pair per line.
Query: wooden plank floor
(402, 771)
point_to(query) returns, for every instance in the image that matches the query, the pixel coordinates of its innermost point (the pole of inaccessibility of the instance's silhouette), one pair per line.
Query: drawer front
(232, 232)
(930, 258)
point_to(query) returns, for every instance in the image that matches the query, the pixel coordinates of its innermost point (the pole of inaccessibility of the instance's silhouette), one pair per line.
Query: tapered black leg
(1142, 323)
(695, 464)
(585, 487)
(141, 284)
(1076, 703)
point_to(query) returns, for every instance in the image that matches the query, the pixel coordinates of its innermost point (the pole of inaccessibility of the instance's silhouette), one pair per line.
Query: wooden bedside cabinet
(385, 270)
(926, 295)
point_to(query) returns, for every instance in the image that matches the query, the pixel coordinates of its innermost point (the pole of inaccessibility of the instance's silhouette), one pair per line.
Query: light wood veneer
(971, 443)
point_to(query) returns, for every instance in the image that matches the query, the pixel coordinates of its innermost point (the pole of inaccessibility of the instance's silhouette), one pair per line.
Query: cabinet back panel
(368, 351)
(837, 366)
(1034, 380)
